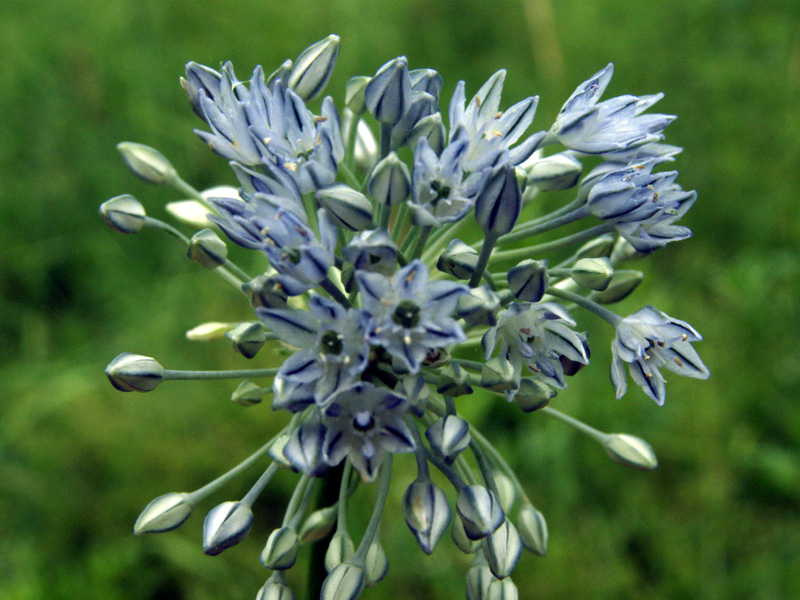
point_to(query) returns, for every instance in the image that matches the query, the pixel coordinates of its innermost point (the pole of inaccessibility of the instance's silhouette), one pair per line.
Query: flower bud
(432, 129)
(479, 307)
(503, 589)
(557, 172)
(572, 367)
(190, 212)
(533, 394)
(417, 391)
(165, 513)
(345, 582)
(596, 248)
(592, 273)
(377, 565)
(621, 286)
(498, 206)
(388, 94)
(498, 375)
(623, 250)
(207, 332)
(275, 589)
(313, 68)
(134, 373)
(372, 250)
(354, 93)
(248, 338)
(427, 513)
(506, 490)
(123, 214)
(460, 539)
(458, 260)
(341, 549)
(454, 381)
(265, 291)
(248, 394)
(390, 182)
(207, 249)
(479, 577)
(349, 208)
(532, 529)
(630, 451)
(280, 553)
(503, 549)
(528, 281)
(147, 163)
(448, 437)
(480, 511)
(226, 525)
(318, 525)
(303, 450)
(275, 451)
(282, 73)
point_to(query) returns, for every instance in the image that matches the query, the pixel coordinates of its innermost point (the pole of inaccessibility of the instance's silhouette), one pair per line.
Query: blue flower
(363, 423)
(264, 223)
(334, 350)
(614, 125)
(441, 191)
(412, 314)
(649, 340)
(491, 133)
(536, 335)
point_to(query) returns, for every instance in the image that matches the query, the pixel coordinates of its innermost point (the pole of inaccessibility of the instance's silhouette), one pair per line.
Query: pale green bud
(454, 381)
(623, 250)
(621, 286)
(190, 212)
(248, 338)
(345, 582)
(248, 394)
(207, 249)
(479, 577)
(123, 214)
(460, 539)
(596, 248)
(206, 332)
(313, 68)
(498, 375)
(226, 525)
(376, 564)
(275, 589)
(354, 93)
(556, 172)
(533, 394)
(458, 260)
(349, 208)
(147, 163)
(134, 373)
(275, 451)
(506, 490)
(318, 525)
(280, 553)
(340, 549)
(503, 549)
(502, 590)
(528, 281)
(532, 529)
(165, 513)
(630, 451)
(390, 181)
(592, 273)
(480, 511)
(432, 128)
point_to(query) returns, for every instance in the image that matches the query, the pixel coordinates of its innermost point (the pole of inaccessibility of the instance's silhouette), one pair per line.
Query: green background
(720, 518)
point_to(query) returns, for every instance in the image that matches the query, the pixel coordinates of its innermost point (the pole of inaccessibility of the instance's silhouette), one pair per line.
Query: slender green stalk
(399, 221)
(422, 239)
(442, 237)
(300, 510)
(601, 311)
(310, 206)
(531, 230)
(386, 139)
(593, 433)
(183, 187)
(419, 451)
(483, 259)
(259, 485)
(294, 501)
(335, 292)
(384, 479)
(385, 216)
(576, 238)
(341, 510)
(170, 375)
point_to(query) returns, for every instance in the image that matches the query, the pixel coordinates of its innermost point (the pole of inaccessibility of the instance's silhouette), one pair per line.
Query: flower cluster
(381, 293)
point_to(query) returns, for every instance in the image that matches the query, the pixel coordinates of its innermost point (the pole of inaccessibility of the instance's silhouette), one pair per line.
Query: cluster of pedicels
(376, 285)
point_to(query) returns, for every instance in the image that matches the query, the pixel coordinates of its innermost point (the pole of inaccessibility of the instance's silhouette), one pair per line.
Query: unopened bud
(596, 248)
(506, 490)
(630, 451)
(390, 182)
(458, 260)
(454, 381)
(417, 391)
(388, 94)
(248, 394)
(479, 577)
(354, 93)
(248, 338)
(533, 394)
(503, 589)
(340, 549)
(498, 375)
(480, 511)
(147, 163)
(592, 273)
(621, 286)
(528, 281)
(460, 539)
(503, 549)
(345, 582)
(134, 373)
(275, 451)
(207, 249)
(499, 205)
(427, 513)
(123, 214)
(556, 172)
(623, 250)
(377, 565)
(432, 129)
(448, 437)
(349, 208)
(207, 332)
(313, 68)
(275, 589)
(280, 553)
(479, 307)
(190, 212)
(532, 529)
(265, 291)
(317, 525)
(165, 513)
(226, 525)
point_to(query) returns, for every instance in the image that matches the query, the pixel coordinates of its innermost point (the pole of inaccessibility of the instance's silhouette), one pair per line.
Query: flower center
(442, 191)
(406, 314)
(363, 421)
(331, 343)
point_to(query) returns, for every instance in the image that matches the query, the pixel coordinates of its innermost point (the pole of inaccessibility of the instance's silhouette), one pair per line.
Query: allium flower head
(649, 340)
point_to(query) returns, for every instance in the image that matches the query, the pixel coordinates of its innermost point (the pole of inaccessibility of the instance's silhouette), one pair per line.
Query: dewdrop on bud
(165, 513)
(592, 273)
(123, 214)
(339, 550)
(147, 163)
(630, 451)
(134, 373)
(226, 525)
(207, 249)
(280, 553)
(532, 529)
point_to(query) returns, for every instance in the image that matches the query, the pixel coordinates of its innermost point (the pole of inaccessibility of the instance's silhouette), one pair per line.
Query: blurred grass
(78, 461)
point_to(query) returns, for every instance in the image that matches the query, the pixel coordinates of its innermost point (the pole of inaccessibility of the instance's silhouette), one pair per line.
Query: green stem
(612, 318)
(531, 230)
(310, 206)
(385, 217)
(422, 239)
(259, 485)
(575, 238)
(386, 139)
(442, 237)
(294, 501)
(399, 221)
(483, 259)
(341, 510)
(170, 375)
(183, 187)
(384, 479)
(300, 511)
(335, 292)
(593, 433)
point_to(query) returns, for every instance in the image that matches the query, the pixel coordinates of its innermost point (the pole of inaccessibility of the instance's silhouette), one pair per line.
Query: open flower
(648, 340)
